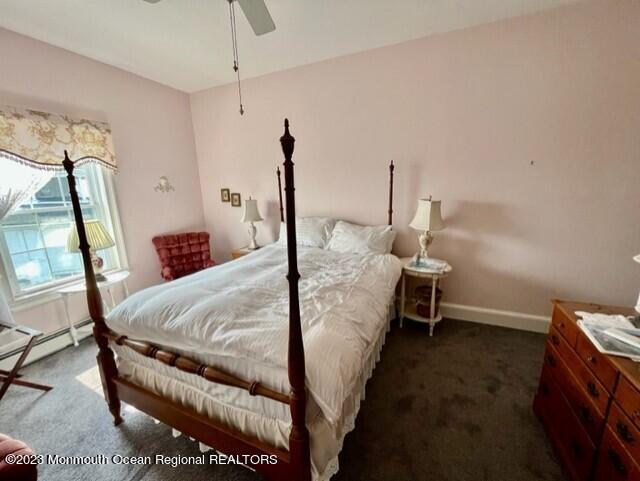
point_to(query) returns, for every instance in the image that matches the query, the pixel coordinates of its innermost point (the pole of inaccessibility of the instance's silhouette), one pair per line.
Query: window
(33, 237)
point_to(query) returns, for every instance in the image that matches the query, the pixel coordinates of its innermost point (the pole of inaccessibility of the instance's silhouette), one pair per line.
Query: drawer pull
(636, 413)
(584, 413)
(551, 360)
(592, 389)
(591, 359)
(617, 462)
(561, 325)
(555, 340)
(623, 432)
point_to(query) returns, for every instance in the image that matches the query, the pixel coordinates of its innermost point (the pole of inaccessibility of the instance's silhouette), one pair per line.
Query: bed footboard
(273, 463)
(186, 364)
(294, 465)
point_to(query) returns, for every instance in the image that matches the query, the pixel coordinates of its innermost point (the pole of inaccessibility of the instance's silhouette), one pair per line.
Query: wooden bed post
(280, 194)
(390, 211)
(106, 360)
(299, 436)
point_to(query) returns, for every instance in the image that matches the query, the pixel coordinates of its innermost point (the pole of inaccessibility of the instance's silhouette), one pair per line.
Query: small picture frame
(225, 195)
(236, 200)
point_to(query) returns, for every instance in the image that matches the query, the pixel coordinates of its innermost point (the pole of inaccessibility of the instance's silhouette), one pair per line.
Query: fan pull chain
(234, 41)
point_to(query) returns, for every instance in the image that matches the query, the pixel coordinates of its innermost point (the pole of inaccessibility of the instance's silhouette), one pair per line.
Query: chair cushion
(15, 472)
(182, 254)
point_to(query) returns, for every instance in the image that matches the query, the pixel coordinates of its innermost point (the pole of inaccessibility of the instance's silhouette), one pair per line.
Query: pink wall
(527, 129)
(152, 133)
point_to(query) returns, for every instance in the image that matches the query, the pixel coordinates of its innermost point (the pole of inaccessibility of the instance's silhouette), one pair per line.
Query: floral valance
(39, 139)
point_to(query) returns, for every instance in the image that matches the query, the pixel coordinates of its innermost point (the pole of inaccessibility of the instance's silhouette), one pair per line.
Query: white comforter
(238, 312)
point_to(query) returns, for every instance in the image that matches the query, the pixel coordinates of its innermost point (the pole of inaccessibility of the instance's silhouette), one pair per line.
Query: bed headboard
(389, 211)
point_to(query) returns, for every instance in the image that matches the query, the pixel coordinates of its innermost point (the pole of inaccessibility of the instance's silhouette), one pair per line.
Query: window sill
(45, 296)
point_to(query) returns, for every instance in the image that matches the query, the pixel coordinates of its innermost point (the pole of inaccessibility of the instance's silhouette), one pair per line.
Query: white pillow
(359, 239)
(310, 231)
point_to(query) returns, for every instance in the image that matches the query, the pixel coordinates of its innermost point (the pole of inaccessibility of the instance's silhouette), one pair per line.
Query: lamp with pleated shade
(427, 220)
(98, 238)
(251, 215)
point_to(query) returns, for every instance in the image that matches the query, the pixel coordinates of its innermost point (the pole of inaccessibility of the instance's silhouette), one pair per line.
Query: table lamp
(98, 238)
(251, 215)
(427, 220)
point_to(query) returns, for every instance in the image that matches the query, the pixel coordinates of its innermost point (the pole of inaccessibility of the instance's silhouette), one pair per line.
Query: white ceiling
(186, 44)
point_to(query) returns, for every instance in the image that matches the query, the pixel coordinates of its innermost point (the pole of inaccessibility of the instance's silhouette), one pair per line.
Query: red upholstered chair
(12, 471)
(182, 254)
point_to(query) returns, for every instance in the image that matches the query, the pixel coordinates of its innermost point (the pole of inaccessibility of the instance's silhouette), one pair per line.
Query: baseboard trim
(482, 315)
(47, 345)
(496, 317)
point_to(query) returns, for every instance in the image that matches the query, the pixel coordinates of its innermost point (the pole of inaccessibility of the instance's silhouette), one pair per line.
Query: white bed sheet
(235, 316)
(210, 399)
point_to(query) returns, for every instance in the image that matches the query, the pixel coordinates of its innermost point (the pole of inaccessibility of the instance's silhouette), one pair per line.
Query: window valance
(39, 139)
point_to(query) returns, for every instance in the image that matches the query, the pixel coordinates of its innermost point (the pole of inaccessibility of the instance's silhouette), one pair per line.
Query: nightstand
(408, 304)
(113, 278)
(241, 251)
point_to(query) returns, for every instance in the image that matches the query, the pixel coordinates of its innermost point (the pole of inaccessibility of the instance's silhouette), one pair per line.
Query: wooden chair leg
(33, 385)
(13, 373)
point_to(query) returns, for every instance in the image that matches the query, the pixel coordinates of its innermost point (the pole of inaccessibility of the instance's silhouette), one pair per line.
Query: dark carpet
(453, 407)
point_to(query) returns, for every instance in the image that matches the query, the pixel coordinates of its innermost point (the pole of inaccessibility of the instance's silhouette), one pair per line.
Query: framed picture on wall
(236, 201)
(225, 195)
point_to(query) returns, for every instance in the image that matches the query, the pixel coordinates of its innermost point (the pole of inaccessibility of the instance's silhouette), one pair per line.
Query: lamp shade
(97, 236)
(427, 216)
(251, 213)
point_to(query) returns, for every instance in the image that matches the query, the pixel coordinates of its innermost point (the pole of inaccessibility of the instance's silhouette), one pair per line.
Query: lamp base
(97, 264)
(424, 239)
(253, 245)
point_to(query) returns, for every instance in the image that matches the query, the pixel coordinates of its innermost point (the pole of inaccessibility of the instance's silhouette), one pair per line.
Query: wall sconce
(164, 185)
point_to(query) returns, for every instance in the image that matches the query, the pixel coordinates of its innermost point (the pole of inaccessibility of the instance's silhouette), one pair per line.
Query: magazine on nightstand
(428, 263)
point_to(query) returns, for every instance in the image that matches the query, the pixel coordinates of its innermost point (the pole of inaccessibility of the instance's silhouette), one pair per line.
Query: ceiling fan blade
(258, 16)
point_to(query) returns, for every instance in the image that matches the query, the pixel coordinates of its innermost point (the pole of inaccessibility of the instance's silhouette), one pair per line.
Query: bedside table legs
(422, 302)
(113, 300)
(72, 328)
(432, 311)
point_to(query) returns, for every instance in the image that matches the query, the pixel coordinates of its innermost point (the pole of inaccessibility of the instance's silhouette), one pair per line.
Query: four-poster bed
(192, 368)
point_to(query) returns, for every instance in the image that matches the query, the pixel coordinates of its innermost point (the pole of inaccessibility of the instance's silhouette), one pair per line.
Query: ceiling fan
(256, 12)
(260, 20)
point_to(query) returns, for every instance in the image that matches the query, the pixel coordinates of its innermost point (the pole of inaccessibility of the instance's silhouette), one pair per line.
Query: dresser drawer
(626, 432)
(546, 397)
(597, 362)
(614, 462)
(628, 399)
(586, 378)
(572, 444)
(552, 359)
(588, 414)
(564, 325)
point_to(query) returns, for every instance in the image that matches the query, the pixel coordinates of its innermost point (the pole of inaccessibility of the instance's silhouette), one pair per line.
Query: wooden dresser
(589, 402)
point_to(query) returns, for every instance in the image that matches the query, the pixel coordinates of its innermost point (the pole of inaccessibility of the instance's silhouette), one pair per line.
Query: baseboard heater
(44, 340)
